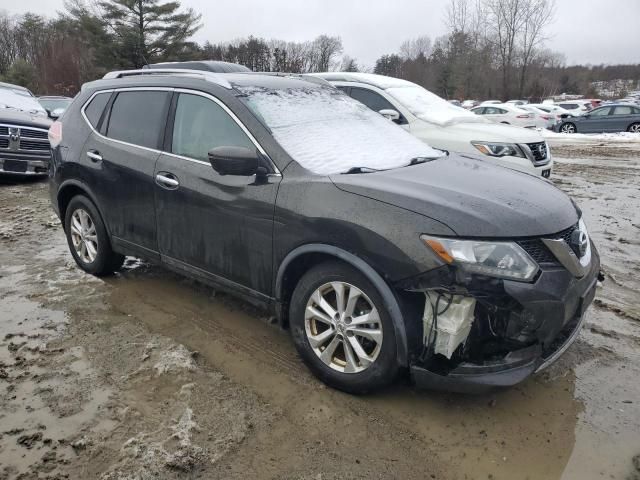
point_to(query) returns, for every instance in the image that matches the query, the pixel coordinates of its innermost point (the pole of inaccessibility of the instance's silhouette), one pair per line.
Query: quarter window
(94, 110)
(138, 117)
(200, 125)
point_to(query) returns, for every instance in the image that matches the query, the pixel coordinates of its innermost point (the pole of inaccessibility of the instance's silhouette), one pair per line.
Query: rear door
(216, 226)
(622, 117)
(121, 158)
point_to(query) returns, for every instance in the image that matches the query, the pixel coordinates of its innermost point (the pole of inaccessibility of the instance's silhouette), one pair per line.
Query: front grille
(4, 130)
(31, 145)
(539, 151)
(29, 133)
(537, 250)
(4, 143)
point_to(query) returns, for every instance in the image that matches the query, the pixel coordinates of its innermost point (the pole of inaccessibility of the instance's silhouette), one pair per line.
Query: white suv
(445, 126)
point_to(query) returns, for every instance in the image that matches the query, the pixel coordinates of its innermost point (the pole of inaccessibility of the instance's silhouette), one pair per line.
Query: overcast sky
(586, 31)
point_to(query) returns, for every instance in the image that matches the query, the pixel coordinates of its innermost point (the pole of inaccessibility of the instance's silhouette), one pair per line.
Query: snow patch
(620, 137)
(327, 132)
(175, 359)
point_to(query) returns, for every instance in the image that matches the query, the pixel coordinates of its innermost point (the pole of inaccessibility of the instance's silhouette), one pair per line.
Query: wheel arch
(71, 188)
(299, 260)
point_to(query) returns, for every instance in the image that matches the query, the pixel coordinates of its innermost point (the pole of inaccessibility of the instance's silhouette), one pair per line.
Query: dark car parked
(611, 118)
(379, 253)
(215, 66)
(55, 105)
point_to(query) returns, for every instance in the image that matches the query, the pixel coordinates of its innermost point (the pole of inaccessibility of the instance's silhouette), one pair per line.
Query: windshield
(430, 107)
(327, 132)
(9, 99)
(53, 103)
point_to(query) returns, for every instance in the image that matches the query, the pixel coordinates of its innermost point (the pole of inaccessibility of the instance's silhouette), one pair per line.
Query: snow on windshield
(430, 107)
(327, 132)
(12, 100)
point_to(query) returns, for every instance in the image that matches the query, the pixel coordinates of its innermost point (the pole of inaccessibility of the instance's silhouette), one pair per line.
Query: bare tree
(538, 15)
(349, 64)
(413, 48)
(324, 51)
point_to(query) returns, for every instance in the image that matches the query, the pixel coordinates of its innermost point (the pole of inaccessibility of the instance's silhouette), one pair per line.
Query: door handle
(167, 180)
(94, 156)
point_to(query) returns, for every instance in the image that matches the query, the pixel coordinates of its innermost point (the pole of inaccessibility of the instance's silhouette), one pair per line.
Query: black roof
(207, 65)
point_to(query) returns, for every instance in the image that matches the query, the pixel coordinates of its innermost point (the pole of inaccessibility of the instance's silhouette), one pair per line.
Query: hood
(22, 118)
(470, 196)
(15, 101)
(492, 132)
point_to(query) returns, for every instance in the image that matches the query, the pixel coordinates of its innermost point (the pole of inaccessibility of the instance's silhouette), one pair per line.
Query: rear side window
(138, 117)
(623, 110)
(200, 125)
(94, 110)
(373, 100)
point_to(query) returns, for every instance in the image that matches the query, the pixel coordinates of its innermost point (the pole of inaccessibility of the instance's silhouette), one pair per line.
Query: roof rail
(209, 76)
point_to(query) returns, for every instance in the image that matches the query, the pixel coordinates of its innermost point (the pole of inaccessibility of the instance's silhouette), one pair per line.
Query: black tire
(106, 261)
(378, 374)
(505, 123)
(634, 127)
(565, 127)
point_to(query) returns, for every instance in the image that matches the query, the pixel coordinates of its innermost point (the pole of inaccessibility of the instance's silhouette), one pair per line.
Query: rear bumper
(557, 298)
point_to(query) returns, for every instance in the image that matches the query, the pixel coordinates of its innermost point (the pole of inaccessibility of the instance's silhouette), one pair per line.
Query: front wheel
(342, 330)
(568, 128)
(634, 128)
(87, 238)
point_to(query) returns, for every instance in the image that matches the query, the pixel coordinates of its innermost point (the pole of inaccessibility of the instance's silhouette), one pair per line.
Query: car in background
(506, 114)
(442, 125)
(543, 119)
(455, 102)
(214, 66)
(470, 104)
(19, 89)
(380, 254)
(620, 117)
(577, 107)
(517, 102)
(24, 146)
(491, 102)
(556, 110)
(55, 105)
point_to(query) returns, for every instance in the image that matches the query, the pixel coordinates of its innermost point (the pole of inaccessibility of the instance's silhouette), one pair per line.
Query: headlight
(495, 259)
(499, 149)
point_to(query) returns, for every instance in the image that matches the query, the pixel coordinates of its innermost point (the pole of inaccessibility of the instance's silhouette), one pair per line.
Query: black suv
(380, 254)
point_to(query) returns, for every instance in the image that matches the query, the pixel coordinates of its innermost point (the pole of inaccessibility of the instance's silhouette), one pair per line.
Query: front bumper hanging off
(557, 297)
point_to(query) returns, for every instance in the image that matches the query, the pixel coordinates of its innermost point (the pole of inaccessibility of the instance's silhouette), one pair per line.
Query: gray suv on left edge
(379, 253)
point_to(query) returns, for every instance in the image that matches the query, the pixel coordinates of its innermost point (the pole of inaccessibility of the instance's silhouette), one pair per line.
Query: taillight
(544, 117)
(55, 134)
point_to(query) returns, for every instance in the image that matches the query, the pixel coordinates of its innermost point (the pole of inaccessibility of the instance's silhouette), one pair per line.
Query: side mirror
(390, 114)
(239, 161)
(57, 113)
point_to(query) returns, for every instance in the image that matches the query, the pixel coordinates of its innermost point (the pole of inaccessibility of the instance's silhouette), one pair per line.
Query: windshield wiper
(360, 170)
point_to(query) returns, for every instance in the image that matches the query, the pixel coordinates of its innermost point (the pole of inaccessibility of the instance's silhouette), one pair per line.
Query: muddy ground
(147, 375)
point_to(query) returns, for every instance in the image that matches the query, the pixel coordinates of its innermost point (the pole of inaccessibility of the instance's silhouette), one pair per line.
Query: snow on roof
(327, 132)
(380, 81)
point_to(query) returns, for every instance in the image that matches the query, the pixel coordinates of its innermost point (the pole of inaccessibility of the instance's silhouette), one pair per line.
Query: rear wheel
(87, 238)
(568, 128)
(634, 128)
(341, 329)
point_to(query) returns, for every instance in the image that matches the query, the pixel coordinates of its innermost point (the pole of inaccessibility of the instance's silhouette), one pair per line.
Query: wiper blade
(353, 170)
(418, 160)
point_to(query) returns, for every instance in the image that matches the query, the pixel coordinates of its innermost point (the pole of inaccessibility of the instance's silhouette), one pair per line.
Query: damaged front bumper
(556, 302)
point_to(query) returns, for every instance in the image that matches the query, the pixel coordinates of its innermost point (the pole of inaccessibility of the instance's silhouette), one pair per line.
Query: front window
(201, 125)
(327, 132)
(600, 112)
(430, 107)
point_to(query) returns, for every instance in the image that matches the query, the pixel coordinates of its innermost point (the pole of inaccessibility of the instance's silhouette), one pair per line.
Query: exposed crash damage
(483, 331)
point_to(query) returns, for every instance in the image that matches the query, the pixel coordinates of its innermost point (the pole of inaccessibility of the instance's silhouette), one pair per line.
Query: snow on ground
(581, 138)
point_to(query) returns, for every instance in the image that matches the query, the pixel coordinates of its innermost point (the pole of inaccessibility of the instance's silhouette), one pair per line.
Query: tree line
(493, 49)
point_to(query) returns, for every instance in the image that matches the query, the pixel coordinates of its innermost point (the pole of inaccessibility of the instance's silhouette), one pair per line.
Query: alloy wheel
(568, 128)
(84, 236)
(343, 327)
(635, 128)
